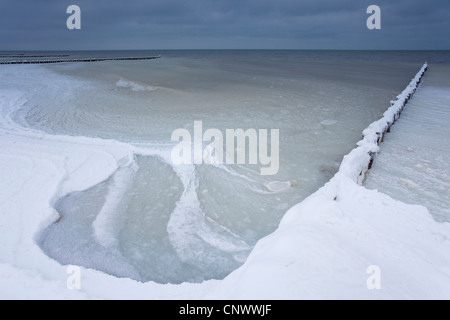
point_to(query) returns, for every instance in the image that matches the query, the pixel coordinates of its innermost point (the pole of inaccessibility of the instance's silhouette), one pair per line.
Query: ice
(134, 85)
(109, 221)
(328, 122)
(278, 186)
(321, 249)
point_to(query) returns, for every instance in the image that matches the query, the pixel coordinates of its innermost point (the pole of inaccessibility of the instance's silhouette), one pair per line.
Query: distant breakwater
(42, 61)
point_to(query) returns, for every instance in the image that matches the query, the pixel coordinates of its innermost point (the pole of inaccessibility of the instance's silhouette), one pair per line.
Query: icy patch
(328, 122)
(280, 186)
(109, 222)
(190, 232)
(135, 86)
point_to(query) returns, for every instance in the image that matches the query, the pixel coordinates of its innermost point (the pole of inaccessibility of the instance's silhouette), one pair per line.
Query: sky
(224, 24)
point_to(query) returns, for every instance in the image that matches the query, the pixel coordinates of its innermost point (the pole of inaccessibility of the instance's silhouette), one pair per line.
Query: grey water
(172, 232)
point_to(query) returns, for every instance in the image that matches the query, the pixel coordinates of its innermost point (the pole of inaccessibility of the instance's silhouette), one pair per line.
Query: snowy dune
(322, 248)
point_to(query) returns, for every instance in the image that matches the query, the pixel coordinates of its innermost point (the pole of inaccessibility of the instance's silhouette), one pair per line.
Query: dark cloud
(158, 24)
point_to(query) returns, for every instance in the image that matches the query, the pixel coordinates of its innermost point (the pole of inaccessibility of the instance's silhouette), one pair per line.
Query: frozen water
(165, 223)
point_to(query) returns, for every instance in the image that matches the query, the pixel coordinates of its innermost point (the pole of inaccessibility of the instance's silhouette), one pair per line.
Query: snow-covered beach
(322, 247)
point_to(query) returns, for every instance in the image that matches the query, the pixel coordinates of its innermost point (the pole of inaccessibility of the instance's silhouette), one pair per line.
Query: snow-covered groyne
(359, 160)
(328, 245)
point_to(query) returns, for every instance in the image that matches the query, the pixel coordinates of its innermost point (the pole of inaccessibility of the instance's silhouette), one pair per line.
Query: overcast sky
(224, 24)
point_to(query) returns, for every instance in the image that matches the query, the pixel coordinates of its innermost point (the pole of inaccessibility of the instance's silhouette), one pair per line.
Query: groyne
(43, 61)
(359, 160)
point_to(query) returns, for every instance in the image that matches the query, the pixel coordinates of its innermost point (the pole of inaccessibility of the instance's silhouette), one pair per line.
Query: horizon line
(223, 49)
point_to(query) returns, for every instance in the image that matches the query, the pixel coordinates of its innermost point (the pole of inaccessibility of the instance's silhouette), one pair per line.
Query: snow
(413, 166)
(322, 248)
